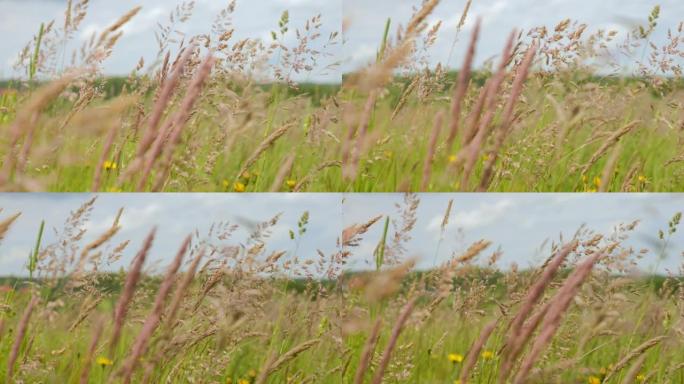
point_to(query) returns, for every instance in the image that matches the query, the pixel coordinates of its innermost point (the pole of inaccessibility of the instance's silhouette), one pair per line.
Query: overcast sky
(499, 18)
(518, 223)
(20, 20)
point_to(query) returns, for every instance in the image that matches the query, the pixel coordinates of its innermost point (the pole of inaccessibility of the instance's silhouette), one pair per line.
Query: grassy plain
(554, 112)
(229, 309)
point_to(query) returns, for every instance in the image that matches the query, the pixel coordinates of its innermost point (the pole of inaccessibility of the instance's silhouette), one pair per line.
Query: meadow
(564, 107)
(228, 309)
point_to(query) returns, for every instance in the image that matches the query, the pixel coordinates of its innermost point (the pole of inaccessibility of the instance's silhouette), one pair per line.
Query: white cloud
(519, 223)
(485, 214)
(499, 18)
(252, 19)
(21, 18)
(14, 258)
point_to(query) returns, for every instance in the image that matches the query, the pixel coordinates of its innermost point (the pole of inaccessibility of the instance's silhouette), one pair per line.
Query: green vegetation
(228, 309)
(540, 117)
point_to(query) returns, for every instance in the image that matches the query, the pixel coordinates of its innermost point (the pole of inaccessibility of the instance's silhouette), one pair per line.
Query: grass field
(231, 310)
(561, 109)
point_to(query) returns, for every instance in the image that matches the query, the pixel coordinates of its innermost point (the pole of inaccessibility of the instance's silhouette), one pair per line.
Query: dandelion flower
(455, 357)
(238, 187)
(103, 361)
(640, 378)
(291, 183)
(487, 355)
(594, 380)
(452, 158)
(642, 179)
(457, 381)
(243, 381)
(109, 165)
(597, 181)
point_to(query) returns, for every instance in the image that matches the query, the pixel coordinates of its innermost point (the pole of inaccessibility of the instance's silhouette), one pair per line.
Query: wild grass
(213, 113)
(229, 309)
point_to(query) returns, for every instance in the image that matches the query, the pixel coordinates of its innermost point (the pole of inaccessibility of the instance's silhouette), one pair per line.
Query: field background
(564, 107)
(235, 303)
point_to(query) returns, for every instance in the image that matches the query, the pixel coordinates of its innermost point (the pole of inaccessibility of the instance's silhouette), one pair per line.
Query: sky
(20, 19)
(366, 21)
(517, 223)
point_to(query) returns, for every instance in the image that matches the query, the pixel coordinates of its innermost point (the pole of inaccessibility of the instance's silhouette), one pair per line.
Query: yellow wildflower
(457, 381)
(103, 361)
(113, 189)
(642, 179)
(229, 381)
(252, 373)
(597, 181)
(109, 165)
(594, 380)
(640, 378)
(238, 187)
(452, 158)
(487, 355)
(291, 183)
(455, 357)
(243, 381)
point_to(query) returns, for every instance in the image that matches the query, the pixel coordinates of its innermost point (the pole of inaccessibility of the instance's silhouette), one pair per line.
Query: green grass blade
(33, 257)
(380, 249)
(33, 65)
(383, 44)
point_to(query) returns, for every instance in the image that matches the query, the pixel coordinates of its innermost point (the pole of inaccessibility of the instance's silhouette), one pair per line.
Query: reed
(152, 321)
(129, 288)
(368, 351)
(183, 122)
(570, 319)
(391, 344)
(22, 328)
